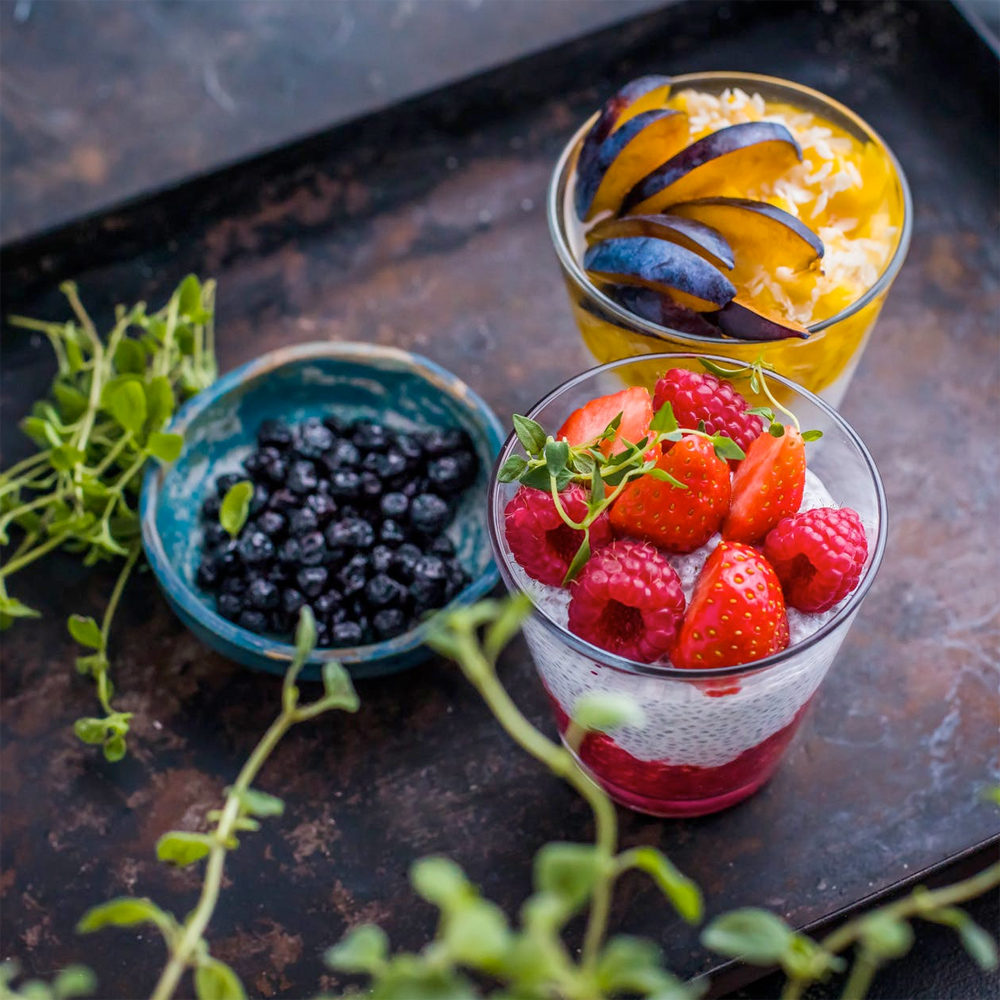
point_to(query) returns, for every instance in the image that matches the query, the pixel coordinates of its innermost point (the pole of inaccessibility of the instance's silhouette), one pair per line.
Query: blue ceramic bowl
(219, 426)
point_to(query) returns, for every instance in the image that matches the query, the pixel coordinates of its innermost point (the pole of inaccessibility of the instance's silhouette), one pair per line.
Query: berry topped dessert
(350, 519)
(680, 530)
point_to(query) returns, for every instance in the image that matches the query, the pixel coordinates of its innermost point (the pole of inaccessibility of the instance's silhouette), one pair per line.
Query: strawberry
(737, 612)
(672, 518)
(591, 420)
(767, 486)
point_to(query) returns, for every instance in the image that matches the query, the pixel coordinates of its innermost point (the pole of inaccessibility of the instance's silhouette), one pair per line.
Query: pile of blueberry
(347, 518)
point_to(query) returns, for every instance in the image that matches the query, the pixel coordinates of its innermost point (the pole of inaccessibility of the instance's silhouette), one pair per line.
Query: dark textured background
(424, 228)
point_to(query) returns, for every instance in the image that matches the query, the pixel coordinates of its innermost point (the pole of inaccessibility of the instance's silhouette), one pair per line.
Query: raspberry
(697, 396)
(542, 543)
(818, 556)
(628, 600)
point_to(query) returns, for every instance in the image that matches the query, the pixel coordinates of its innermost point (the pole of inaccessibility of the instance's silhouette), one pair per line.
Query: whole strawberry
(698, 397)
(768, 485)
(818, 555)
(737, 612)
(541, 542)
(680, 520)
(628, 600)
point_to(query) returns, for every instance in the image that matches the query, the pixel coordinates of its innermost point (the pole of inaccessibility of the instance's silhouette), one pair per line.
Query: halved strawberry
(767, 486)
(585, 424)
(672, 518)
(737, 612)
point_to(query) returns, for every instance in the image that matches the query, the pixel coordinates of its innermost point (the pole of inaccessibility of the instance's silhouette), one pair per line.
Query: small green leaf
(633, 965)
(182, 847)
(664, 477)
(811, 435)
(530, 434)
(165, 447)
(115, 748)
(776, 430)
(305, 630)
(726, 448)
(338, 688)
(128, 405)
(41, 432)
(755, 936)
(512, 469)
(236, 507)
(440, 881)
(980, 946)
(123, 912)
(664, 419)
(14, 608)
(159, 401)
(567, 871)
(556, 457)
(762, 411)
(579, 560)
(64, 458)
(603, 712)
(90, 731)
(86, 631)
(597, 491)
(538, 479)
(130, 356)
(74, 981)
(477, 935)
(611, 430)
(189, 296)
(678, 888)
(93, 664)
(506, 624)
(754, 382)
(72, 402)
(886, 936)
(259, 803)
(214, 980)
(362, 949)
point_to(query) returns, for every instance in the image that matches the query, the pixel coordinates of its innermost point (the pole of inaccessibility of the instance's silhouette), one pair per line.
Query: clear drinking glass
(823, 363)
(710, 737)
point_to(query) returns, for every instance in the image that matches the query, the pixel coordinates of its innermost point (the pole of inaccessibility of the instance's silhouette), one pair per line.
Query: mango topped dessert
(745, 211)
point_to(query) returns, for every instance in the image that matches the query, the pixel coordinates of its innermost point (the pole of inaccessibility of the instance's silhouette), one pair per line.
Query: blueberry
(227, 555)
(229, 606)
(258, 461)
(382, 591)
(215, 534)
(233, 585)
(343, 455)
(335, 424)
(312, 549)
(458, 579)
(429, 514)
(345, 484)
(446, 441)
(430, 577)
(410, 448)
(284, 501)
(290, 553)
(279, 573)
(261, 498)
(255, 621)
(381, 558)
(388, 467)
(227, 481)
(371, 487)
(394, 505)
(276, 471)
(292, 601)
(302, 521)
(255, 548)
(391, 532)
(210, 508)
(442, 546)
(326, 604)
(339, 535)
(302, 477)
(347, 634)
(262, 595)
(362, 533)
(312, 580)
(323, 635)
(323, 506)
(369, 436)
(405, 561)
(271, 523)
(389, 622)
(275, 433)
(451, 473)
(313, 438)
(354, 576)
(413, 488)
(208, 574)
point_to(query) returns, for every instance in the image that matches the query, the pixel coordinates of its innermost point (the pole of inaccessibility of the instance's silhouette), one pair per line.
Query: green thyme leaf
(440, 881)
(214, 980)
(338, 688)
(776, 430)
(678, 888)
(159, 401)
(115, 748)
(92, 731)
(597, 492)
(604, 712)
(664, 477)
(165, 447)
(568, 871)
(556, 457)
(538, 479)
(259, 803)
(86, 631)
(664, 419)
(512, 469)
(64, 458)
(579, 560)
(611, 430)
(362, 949)
(811, 435)
(886, 936)
(726, 448)
(762, 411)
(753, 935)
(123, 912)
(181, 847)
(127, 402)
(530, 434)
(235, 507)
(305, 630)
(130, 356)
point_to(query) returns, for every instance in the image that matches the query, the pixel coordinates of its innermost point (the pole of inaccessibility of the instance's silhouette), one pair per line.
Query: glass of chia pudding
(730, 213)
(788, 538)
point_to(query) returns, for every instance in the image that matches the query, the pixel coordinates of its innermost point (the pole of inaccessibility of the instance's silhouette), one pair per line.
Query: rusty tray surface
(423, 227)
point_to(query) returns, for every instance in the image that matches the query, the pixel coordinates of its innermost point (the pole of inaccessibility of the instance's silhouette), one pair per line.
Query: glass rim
(555, 217)
(665, 671)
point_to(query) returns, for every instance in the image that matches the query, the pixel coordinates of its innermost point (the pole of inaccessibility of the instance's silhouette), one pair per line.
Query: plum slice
(746, 322)
(660, 308)
(692, 235)
(648, 262)
(629, 153)
(759, 233)
(743, 155)
(637, 96)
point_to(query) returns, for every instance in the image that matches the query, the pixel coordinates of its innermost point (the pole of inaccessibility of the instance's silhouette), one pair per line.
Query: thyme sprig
(552, 465)
(103, 419)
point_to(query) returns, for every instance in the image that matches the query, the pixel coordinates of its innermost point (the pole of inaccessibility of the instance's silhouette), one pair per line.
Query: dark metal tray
(424, 227)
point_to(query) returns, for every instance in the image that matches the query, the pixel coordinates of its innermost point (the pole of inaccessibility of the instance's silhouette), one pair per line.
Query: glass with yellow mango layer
(730, 212)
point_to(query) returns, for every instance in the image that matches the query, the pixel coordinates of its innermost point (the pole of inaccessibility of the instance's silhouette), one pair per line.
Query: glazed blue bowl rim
(178, 591)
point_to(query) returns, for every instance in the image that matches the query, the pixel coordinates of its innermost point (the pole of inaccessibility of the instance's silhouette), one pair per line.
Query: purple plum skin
(709, 239)
(736, 320)
(659, 308)
(651, 262)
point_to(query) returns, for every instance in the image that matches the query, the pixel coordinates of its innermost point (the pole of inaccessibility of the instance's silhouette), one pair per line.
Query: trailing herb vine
(103, 419)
